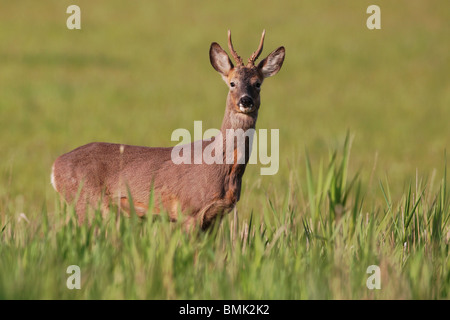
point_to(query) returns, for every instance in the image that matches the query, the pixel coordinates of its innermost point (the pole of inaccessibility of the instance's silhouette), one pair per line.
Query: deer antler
(255, 55)
(236, 57)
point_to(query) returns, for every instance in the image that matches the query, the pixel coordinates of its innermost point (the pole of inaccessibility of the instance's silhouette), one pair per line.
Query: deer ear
(272, 64)
(220, 60)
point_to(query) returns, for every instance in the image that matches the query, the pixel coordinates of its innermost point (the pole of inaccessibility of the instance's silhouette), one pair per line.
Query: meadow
(364, 139)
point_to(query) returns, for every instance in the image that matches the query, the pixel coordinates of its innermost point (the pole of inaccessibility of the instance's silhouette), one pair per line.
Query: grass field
(363, 119)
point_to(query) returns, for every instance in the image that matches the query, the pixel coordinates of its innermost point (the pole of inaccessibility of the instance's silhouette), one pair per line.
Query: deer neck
(236, 120)
(232, 122)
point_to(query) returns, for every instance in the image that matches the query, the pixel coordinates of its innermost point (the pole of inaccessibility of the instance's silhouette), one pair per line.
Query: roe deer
(100, 174)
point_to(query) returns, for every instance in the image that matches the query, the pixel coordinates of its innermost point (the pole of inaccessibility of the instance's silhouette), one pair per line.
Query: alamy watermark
(74, 280)
(374, 281)
(229, 147)
(374, 20)
(74, 20)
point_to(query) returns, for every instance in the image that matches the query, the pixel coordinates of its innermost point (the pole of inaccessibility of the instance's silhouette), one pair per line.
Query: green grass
(318, 249)
(137, 71)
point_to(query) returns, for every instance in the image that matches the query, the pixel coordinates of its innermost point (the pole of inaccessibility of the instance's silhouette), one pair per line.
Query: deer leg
(214, 212)
(189, 224)
(139, 207)
(81, 208)
(105, 206)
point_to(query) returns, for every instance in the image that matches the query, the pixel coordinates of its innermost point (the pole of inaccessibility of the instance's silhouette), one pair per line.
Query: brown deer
(101, 174)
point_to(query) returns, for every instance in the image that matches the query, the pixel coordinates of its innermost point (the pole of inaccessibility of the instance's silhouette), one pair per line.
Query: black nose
(246, 102)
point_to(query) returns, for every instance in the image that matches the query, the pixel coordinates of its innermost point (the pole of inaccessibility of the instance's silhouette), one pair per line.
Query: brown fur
(100, 174)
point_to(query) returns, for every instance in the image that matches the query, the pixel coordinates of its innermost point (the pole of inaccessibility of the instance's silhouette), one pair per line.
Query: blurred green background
(137, 70)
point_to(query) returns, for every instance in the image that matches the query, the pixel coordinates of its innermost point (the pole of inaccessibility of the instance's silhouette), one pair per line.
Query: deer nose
(245, 102)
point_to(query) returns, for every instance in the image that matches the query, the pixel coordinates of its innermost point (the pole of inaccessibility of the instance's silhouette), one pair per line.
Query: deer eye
(258, 85)
(232, 84)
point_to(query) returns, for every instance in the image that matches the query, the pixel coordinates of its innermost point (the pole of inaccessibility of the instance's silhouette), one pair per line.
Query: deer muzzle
(246, 104)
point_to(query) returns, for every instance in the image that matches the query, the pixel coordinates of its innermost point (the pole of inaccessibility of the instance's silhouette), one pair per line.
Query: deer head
(244, 81)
